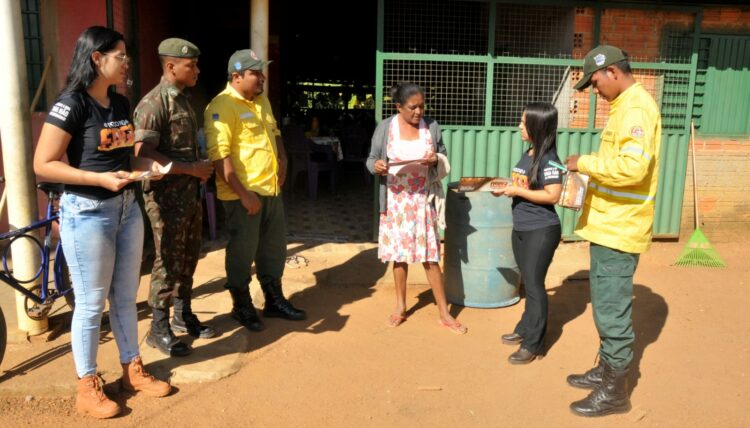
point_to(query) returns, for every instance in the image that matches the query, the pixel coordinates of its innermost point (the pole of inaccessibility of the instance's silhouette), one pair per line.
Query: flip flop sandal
(455, 327)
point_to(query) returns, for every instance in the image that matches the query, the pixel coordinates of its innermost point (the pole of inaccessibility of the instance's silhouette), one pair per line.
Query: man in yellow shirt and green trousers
(244, 142)
(617, 220)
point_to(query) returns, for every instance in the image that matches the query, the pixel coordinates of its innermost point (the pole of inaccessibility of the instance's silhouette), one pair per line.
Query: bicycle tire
(3, 335)
(64, 285)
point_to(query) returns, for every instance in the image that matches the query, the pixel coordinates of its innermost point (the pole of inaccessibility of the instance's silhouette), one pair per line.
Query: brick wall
(723, 179)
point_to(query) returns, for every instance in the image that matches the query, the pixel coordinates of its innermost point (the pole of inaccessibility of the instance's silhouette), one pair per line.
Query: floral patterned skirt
(408, 230)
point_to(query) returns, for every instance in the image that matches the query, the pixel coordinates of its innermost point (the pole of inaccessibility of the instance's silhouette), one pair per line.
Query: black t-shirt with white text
(528, 215)
(102, 138)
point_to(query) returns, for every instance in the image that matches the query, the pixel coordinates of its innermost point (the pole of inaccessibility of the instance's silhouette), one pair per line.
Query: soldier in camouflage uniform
(166, 131)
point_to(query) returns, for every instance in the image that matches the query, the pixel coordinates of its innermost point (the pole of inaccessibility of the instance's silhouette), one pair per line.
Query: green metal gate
(479, 69)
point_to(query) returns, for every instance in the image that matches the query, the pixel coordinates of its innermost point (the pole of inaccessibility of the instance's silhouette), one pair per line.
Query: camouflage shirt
(165, 119)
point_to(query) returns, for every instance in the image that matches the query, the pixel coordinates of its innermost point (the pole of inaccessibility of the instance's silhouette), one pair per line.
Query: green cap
(598, 58)
(245, 59)
(178, 48)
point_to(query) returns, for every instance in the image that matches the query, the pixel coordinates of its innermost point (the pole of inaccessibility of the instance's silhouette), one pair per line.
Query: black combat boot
(243, 309)
(162, 338)
(588, 380)
(185, 321)
(610, 396)
(277, 306)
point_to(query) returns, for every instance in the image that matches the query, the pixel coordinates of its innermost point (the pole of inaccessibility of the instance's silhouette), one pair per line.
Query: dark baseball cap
(245, 59)
(178, 48)
(598, 58)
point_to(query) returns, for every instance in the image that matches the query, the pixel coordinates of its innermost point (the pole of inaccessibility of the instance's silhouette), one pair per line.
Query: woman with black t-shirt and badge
(101, 225)
(536, 227)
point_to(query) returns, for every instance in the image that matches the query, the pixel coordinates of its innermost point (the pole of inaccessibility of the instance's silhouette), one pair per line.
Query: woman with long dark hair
(101, 225)
(536, 233)
(405, 152)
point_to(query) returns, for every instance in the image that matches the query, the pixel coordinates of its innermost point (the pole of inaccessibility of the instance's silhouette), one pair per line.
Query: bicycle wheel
(3, 335)
(63, 283)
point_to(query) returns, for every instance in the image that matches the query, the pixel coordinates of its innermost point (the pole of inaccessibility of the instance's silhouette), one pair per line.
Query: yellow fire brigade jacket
(619, 208)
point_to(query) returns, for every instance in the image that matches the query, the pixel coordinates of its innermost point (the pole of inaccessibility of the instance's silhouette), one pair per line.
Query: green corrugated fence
(493, 152)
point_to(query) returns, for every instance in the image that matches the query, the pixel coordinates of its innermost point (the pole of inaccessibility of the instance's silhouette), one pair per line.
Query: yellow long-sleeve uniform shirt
(245, 131)
(619, 207)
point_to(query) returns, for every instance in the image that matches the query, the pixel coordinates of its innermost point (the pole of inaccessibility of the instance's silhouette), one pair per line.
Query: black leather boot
(243, 310)
(277, 306)
(185, 321)
(610, 396)
(162, 338)
(588, 380)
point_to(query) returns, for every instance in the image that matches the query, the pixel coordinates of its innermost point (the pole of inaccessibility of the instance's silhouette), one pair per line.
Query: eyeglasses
(121, 57)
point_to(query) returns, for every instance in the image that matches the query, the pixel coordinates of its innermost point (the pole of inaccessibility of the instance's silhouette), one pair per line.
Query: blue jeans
(103, 243)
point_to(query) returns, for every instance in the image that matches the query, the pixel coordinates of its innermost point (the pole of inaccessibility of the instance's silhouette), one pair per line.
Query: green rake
(698, 251)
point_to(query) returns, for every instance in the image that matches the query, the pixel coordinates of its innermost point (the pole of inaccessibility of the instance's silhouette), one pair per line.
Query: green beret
(178, 48)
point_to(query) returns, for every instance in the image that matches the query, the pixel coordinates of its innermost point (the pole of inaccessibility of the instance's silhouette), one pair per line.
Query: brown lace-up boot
(92, 401)
(135, 378)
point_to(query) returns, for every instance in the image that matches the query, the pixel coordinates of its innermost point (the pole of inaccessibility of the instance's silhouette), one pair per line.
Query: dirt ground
(343, 367)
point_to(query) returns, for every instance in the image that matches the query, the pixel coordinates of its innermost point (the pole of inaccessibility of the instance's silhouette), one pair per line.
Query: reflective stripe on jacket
(619, 208)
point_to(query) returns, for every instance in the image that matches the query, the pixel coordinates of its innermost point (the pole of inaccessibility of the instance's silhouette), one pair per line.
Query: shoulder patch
(215, 116)
(637, 132)
(60, 111)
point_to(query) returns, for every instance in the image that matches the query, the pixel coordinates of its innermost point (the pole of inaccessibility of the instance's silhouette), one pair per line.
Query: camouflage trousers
(176, 222)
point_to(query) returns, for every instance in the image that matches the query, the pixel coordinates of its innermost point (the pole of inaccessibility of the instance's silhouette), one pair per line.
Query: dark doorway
(323, 66)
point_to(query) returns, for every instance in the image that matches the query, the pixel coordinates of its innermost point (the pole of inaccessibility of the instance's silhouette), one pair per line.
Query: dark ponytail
(541, 125)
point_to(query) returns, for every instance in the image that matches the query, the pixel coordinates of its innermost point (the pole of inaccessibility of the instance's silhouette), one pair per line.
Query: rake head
(699, 252)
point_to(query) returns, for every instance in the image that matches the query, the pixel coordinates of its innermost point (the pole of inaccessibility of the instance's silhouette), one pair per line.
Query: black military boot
(243, 309)
(185, 321)
(610, 396)
(162, 338)
(588, 380)
(277, 306)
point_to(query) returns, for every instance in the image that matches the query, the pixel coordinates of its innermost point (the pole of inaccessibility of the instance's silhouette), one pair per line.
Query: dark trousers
(533, 251)
(611, 280)
(259, 238)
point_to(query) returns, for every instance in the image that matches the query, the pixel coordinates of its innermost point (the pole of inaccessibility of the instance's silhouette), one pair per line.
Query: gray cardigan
(379, 145)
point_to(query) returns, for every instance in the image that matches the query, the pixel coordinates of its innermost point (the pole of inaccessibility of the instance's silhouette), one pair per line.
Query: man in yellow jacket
(617, 220)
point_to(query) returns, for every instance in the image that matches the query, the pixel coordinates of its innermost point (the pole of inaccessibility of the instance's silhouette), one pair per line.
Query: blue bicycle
(39, 298)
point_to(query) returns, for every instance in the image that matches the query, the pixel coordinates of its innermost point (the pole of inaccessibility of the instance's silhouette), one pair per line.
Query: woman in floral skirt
(404, 149)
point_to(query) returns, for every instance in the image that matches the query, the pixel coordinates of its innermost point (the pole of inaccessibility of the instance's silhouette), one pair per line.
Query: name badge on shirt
(247, 115)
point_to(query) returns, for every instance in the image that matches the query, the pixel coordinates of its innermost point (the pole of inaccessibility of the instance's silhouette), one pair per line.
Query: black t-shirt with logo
(102, 138)
(528, 215)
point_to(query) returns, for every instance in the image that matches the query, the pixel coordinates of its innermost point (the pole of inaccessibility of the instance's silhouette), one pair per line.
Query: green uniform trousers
(176, 215)
(259, 238)
(611, 280)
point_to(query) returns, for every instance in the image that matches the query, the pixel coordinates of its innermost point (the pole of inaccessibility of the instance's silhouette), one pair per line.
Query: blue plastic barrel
(480, 270)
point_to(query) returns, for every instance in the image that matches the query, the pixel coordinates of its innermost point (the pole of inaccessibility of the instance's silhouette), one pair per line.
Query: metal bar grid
(533, 69)
(436, 26)
(32, 37)
(518, 84)
(533, 31)
(454, 92)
